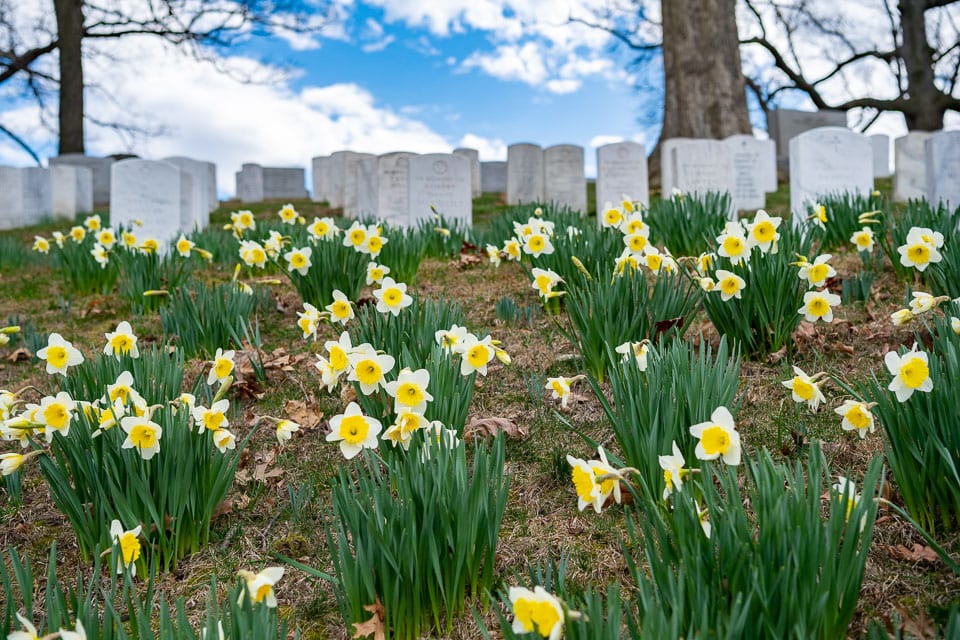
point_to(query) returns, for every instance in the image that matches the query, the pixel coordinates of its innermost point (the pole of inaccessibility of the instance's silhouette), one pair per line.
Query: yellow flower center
(341, 309)
(121, 343)
(612, 216)
(354, 429)
(764, 231)
(729, 286)
(246, 220)
(914, 372)
(150, 245)
(143, 436)
(257, 255)
(121, 393)
(338, 358)
(637, 243)
(733, 246)
(477, 356)
(409, 394)
(654, 261)
(818, 307)
(357, 237)
(184, 245)
(56, 415)
(858, 417)
(305, 324)
(129, 547)
(107, 238)
(287, 214)
(818, 273)
(262, 592)
(715, 440)
(667, 477)
(536, 615)
(213, 419)
(376, 274)
(393, 296)
(375, 243)
(409, 422)
(368, 372)
(558, 388)
(582, 483)
(635, 226)
(298, 260)
(544, 283)
(536, 243)
(78, 234)
(802, 388)
(320, 229)
(863, 239)
(57, 356)
(223, 368)
(919, 253)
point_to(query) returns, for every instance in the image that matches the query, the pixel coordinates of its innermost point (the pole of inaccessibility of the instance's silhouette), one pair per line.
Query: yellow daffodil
(636, 349)
(536, 612)
(107, 238)
(450, 338)
(222, 367)
(92, 223)
(354, 431)
(29, 632)
(355, 236)
(718, 437)
(475, 354)
(409, 390)
(121, 341)
(806, 389)
(285, 430)
(341, 309)
(392, 296)
(253, 254)
(260, 585)
(59, 355)
(817, 272)
(544, 280)
(612, 216)
(732, 244)
(129, 543)
(142, 435)
(594, 481)
(288, 215)
(863, 240)
(41, 244)
(856, 417)
(729, 284)
(322, 228)
(818, 305)
(673, 470)
(762, 232)
(376, 272)
(560, 388)
(299, 260)
(367, 367)
(910, 373)
(56, 414)
(224, 440)
(213, 418)
(184, 246)
(901, 317)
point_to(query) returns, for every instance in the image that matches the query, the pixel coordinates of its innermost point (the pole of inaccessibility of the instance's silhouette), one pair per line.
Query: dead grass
(542, 521)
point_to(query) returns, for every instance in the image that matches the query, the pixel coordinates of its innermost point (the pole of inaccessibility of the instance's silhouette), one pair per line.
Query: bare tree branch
(21, 143)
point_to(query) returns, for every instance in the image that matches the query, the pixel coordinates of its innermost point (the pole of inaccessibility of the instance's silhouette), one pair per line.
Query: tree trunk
(926, 107)
(704, 91)
(70, 36)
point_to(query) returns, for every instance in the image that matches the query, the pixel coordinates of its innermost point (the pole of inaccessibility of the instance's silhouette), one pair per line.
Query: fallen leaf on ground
(919, 553)
(375, 625)
(306, 414)
(20, 354)
(489, 427)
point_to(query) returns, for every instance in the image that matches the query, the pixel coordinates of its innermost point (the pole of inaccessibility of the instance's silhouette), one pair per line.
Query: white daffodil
(354, 431)
(59, 354)
(718, 437)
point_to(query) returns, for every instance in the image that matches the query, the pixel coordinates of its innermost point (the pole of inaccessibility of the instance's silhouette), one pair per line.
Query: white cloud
(379, 45)
(511, 62)
(600, 140)
(489, 148)
(561, 86)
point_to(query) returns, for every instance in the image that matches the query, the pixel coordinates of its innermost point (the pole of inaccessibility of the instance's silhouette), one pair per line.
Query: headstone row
(397, 187)
(553, 175)
(256, 183)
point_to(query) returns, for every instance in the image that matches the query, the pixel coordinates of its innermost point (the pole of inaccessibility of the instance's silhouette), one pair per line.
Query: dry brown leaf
(264, 473)
(375, 625)
(466, 261)
(489, 427)
(919, 553)
(20, 354)
(306, 414)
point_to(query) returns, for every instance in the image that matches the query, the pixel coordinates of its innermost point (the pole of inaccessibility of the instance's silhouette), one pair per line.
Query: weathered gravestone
(320, 171)
(24, 196)
(621, 171)
(493, 177)
(755, 170)
(881, 155)
(524, 173)
(152, 192)
(828, 161)
(250, 183)
(71, 190)
(350, 186)
(101, 173)
(443, 181)
(786, 124)
(393, 176)
(702, 166)
(284, 183)
(474, 156)
(338, 172)
(943, 168)
(212, 197)
(196, 214)
(668, 181)
(910, 166)
(564, 183)
(367, 186)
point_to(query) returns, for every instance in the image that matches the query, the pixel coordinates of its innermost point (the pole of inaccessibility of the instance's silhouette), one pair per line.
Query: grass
(275, 503)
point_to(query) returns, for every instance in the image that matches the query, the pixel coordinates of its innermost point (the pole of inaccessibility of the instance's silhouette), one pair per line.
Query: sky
(383, 75)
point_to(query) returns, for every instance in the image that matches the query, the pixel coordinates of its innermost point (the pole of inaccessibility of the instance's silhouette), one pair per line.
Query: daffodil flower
(392, 296)
(673, 470)
(718, 438)
(910, 373)
(288, 215)
(733, 244)
(636, 349)
(409, 390)
(729, 284)
(475, 354)
(129, 543)
(560, 386)
(213, 418)
(341, 309)
(222, 367)
(856, 417)
(805, 388)
(594, 481)
(56, 413)
(536, 611)
(142, 435)
(285, 430)
(817, 272)
(59, 354)
(299, 260)
(121, 341)
(260, 585)
(863, 240)
(375, 272)
(762, 232)
(354, 431)
(367, 367)
(818, 305)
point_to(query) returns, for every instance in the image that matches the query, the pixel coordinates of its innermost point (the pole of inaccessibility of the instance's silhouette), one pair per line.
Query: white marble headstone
(474, 156)
(213, 198)
(24, 196)
(668, 181)
(196, 213)
(350, 185)
(250, 183)
(881, 155)
(828, 161)
(393, 175)
(149, 191)
(943, 168)
(367, 185)
(701, 166)
(621, 171)
(786, 124)
(71, 190)
(284, 183)
(564, 183)
(493, 177)
(338, 171)
(101, 173)
(443, 181)
(755, 170)
(524, 173)
(320, 182)
(910, 166)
